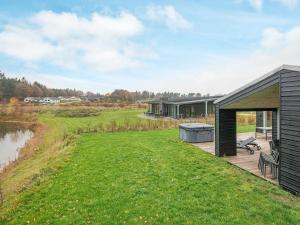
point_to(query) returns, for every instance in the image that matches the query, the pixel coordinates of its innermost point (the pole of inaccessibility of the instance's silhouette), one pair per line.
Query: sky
(181, 46)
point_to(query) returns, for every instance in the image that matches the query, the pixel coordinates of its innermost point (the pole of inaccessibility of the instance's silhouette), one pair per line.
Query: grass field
(150, 178)
(246, 128)
(133, 178)
(105, 117)
(54, 148)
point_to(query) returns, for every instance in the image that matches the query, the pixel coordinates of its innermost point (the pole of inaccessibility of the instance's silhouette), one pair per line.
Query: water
(13, 137)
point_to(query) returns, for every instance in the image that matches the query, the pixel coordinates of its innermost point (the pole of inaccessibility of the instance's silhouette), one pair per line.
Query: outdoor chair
(271, 160)
(261, 164)
(274, 145)
(247, 144)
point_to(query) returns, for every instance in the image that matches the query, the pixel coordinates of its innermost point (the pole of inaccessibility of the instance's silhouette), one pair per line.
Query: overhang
(191, 102)
(261, 93)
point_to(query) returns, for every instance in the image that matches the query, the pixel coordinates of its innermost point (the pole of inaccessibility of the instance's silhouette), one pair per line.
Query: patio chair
(247, 144)
(271, 160)
(261, 164)
(274, 145)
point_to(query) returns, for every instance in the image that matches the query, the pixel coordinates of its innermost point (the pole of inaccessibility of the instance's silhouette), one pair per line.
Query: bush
(77, 113)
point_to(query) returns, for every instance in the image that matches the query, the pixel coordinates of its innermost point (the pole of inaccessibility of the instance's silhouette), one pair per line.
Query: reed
(1, 194)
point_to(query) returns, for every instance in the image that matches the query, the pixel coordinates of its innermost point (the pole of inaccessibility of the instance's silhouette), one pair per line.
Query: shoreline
(15, 121)
(28, 149)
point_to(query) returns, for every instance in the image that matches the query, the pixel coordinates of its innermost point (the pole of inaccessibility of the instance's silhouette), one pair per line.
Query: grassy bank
(57, 147)
(150, 178)
(58, 134)
(52, 146)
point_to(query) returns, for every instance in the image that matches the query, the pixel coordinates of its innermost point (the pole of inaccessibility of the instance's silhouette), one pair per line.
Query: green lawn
(55, 147)
(246, 128)
(105, 117)
(150, 178)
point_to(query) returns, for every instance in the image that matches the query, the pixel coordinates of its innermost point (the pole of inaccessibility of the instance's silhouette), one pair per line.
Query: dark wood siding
(225, 132)
(259, 119)
(289, 171)
(274, 125)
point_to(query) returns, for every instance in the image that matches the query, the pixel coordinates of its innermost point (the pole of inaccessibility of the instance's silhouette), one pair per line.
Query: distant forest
(21, 88)
(14, 87)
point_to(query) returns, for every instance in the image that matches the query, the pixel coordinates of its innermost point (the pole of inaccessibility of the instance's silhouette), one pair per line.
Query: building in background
(182, 107)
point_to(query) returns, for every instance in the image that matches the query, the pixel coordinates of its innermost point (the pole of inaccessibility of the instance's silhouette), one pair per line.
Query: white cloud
(168, 15)
(257, 4)
(289, 3)
(59, 81)
(283, 41)
(101, 41)
(223, 74)
(24, 44)
(272, 38)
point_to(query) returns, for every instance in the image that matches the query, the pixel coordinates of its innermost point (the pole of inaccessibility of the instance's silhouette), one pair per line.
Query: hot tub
(196, 132)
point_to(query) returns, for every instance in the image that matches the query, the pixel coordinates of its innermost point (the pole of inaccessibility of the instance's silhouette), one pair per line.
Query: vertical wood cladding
(259, 119)
(289, 172)
(274, 125)
(225, 132)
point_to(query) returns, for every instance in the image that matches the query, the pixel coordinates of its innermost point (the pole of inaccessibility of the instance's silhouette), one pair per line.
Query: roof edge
(271, 73)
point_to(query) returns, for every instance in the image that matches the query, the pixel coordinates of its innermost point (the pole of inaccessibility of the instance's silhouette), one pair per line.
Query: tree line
(14, 87)
(21, 88)
(122, 95)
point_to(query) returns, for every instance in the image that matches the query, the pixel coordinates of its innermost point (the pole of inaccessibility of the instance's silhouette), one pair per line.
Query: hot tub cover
(196, 126)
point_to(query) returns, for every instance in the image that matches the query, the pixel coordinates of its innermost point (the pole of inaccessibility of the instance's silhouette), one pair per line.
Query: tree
(12, 87)
(36, 91)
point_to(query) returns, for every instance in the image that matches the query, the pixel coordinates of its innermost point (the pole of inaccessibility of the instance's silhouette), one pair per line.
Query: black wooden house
(279, 92)
(182, 107)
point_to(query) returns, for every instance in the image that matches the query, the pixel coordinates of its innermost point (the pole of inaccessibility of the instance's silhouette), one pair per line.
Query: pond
(13, 136)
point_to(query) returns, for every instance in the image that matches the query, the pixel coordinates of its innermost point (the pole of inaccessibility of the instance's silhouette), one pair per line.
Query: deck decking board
(243, 159)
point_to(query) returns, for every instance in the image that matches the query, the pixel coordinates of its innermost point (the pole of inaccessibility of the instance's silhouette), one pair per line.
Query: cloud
(24, 44)
(221, 74)
(101, 41)
(61, 81)
(168, 15)
(271, 38)
(257, 4)
(282, 41)
(288, 3)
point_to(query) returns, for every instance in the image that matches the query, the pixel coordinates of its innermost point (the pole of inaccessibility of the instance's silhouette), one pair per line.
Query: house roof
(184, 100)
(269, 74)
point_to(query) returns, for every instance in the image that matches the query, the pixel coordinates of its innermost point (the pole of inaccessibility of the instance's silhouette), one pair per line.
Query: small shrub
(76, 113)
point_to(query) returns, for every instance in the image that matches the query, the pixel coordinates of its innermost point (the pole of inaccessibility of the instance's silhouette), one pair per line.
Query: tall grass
(30, 112)
(1, 194)
(138, 124)
(248, 118)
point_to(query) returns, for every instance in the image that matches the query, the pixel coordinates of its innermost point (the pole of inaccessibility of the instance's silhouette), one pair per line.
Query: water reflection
(13, 137)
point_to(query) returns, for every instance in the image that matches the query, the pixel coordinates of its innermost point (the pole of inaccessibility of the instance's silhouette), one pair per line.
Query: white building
(42, 100)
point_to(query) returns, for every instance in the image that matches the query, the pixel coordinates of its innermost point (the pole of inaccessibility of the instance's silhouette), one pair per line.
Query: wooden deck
(243, 159)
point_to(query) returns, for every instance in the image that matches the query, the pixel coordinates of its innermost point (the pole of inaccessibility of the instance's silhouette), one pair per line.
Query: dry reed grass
(144, 125)
(141, 125)
(246, 119)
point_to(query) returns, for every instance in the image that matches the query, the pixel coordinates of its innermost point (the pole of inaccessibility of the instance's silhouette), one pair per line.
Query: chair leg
(272, 171)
